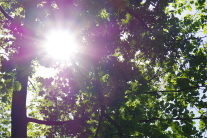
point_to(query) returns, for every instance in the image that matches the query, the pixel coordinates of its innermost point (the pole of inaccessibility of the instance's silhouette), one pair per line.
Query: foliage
(138, 72)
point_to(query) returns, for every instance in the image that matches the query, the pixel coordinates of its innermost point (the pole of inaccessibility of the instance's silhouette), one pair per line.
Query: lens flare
(60, 44)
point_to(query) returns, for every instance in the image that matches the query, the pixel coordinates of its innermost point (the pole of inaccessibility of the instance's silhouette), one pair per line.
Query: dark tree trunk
(18, 115)
(23, 60)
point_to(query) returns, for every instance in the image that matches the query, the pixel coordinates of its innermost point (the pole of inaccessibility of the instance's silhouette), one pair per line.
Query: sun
(60, 44)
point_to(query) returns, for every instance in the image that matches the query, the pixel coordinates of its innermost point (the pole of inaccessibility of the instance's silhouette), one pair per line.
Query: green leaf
(17, 86)
(49, 103)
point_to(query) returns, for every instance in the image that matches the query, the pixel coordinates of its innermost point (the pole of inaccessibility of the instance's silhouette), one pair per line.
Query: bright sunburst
(60, 44)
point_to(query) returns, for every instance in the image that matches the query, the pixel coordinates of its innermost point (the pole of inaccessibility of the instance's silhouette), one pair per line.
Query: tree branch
(100, 120)
(98, 84)
(99, 124)
(115, 124)
(192, 38)
(49, 123)
(5, 14)
(153, 119)
(137, 17)
(173, 90)
(32, 85)
(159, 74)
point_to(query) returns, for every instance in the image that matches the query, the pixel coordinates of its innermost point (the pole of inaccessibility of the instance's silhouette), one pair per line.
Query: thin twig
(154, 119)
(156, 92)
(174, 90)
(32, 85)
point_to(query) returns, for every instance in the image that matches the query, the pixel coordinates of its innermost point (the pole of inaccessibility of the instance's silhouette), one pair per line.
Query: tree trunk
(23, 60)
(18, 115)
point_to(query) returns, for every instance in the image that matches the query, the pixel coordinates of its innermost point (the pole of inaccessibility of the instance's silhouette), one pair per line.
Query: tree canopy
(138, 71)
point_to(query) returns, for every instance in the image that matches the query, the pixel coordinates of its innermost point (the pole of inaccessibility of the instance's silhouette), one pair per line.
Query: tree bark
(23, 59)
(18, 115)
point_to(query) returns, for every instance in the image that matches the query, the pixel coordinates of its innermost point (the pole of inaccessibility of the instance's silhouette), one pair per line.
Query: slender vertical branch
(99, 125)
(115, 124)
(99, 90)
(100, 97)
